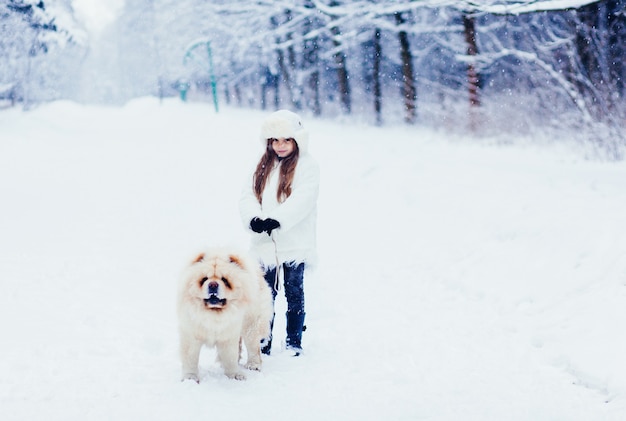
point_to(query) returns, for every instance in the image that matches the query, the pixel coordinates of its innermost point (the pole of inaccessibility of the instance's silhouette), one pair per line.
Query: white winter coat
(297, 215)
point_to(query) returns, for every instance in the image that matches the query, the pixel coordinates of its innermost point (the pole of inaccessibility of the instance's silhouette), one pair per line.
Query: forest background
(551, 69)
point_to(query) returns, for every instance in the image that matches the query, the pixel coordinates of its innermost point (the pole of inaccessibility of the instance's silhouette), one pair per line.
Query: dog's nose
(213, 286)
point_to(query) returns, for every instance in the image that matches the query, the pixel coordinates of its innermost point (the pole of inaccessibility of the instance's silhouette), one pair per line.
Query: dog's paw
(238, 375)
(254, 366)
(190, 376)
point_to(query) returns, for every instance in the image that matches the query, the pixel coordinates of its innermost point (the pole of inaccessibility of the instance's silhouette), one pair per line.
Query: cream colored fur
(244, 318)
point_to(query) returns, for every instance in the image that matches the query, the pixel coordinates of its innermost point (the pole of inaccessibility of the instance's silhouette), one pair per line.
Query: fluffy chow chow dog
(223, 301)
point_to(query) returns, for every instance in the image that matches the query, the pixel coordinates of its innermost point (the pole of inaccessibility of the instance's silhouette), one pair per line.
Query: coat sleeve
(249, 206)
(303, 198)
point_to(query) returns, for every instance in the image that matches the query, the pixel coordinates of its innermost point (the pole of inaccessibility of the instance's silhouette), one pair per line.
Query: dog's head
(215, 292)
(216, 280)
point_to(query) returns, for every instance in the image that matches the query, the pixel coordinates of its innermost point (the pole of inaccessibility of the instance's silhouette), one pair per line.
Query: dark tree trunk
(600, 43)
(314, 84)
(339, 58)
(311, 62)
(342, 75)
(472, 51)
(285, 73)
(616, 26)
(295, 89)
(287, 63)
(376, 77)
(409, 91)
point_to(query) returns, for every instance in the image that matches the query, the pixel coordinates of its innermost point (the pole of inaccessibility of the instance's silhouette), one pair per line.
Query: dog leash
(277, 277)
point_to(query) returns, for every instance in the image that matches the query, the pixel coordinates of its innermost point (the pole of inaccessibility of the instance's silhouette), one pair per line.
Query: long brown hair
(264, 169)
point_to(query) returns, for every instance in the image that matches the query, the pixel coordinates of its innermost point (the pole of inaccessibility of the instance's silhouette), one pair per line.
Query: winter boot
(266, 344)
(295, 327)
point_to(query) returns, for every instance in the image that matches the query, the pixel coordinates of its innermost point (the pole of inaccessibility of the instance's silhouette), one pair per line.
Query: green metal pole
(212, 74)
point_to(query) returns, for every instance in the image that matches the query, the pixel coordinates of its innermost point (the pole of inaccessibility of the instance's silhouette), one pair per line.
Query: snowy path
(456, 282)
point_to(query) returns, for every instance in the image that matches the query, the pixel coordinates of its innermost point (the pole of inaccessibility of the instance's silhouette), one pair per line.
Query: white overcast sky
(96, 14)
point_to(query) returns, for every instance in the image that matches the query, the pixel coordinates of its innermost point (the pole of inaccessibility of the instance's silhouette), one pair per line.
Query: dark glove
(257, 225)
(270, 225)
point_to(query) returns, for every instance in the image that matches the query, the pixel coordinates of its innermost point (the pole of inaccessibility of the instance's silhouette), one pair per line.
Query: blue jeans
(294, 292)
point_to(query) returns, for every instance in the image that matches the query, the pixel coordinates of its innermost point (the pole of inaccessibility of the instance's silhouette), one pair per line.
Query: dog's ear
(199, 259)
(237, 260)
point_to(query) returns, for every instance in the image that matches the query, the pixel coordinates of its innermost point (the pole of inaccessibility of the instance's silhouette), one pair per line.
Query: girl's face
(283, 147)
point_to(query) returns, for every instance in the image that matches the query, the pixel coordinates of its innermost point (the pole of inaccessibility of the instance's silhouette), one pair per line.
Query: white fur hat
(284, 123)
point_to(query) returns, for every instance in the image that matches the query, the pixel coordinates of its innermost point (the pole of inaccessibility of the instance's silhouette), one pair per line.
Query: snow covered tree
(524, 64)
(556, 60)
(35, 51)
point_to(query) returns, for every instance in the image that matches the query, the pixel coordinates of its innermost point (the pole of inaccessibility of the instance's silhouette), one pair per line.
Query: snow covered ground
(457, 280)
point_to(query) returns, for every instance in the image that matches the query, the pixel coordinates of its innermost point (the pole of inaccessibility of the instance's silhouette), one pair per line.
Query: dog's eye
(226, 283)
(203, 280)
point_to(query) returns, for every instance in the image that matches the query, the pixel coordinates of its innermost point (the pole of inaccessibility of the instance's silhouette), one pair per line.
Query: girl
(279, 207)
